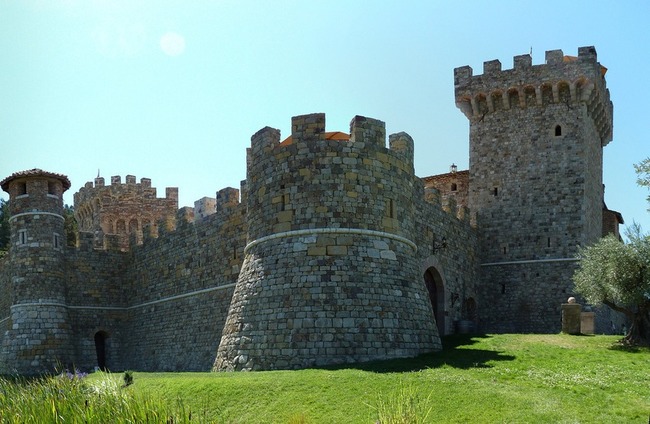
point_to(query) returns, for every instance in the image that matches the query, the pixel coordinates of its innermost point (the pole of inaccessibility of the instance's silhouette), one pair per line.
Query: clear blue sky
(173, 90)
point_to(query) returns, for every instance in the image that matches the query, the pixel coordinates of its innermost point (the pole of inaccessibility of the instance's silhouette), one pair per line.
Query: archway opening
(436, 289)
(100, 349)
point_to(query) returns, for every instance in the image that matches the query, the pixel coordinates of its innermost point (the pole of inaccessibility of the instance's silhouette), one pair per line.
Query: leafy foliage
(70, 226)
(643, 174)
(4, 225)
(618, 275)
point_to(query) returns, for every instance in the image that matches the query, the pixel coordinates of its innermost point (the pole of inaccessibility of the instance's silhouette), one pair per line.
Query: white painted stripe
(36, 213)
(120, 308)
(312, 231)
(532, 261)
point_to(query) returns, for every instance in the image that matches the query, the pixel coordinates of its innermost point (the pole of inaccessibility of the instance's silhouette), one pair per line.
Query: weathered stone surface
(336, 253)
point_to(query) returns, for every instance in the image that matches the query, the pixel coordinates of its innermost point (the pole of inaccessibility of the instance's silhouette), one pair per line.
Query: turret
(39, 338)
(330, 272)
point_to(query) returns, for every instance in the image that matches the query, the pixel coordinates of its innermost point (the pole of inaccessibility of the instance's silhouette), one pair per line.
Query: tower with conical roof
(39, 335)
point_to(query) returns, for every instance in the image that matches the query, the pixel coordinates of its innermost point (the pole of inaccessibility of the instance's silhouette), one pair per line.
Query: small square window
(51, 188)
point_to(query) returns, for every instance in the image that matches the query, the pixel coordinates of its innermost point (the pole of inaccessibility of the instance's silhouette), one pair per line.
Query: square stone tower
(535, 179)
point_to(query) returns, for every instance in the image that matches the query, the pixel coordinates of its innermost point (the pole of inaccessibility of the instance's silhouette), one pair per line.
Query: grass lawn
(478, 379)
(496, 378)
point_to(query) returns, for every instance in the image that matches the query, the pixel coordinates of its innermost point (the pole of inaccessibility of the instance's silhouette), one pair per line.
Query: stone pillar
(587, 323)
(571, 317)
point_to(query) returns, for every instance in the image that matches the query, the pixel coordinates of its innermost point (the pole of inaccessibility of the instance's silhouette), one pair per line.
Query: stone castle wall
(457, 263)
(161, 306)
(336, 253)
(182, 286)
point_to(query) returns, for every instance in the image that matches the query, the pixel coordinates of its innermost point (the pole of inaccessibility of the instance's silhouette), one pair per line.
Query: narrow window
(285, 202)
(22, 237)
(390, 211)
(454, 187)
(51, 188)
(21, 189)
(504, 249)
(558, 130)
(56, 241)
(234, 252)
(495, 191)
(548, 242)
(503, 288)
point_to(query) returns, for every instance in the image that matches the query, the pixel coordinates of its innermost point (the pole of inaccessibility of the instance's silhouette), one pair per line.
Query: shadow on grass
(456, 352)
(623, 346)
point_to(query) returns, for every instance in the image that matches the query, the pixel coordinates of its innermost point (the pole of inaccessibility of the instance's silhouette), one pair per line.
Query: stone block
(571, 318)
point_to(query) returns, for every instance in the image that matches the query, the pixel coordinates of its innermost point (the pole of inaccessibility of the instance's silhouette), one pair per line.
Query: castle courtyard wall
(179, 288)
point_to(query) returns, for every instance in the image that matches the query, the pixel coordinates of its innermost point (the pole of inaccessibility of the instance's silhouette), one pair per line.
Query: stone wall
(452, 184)
(162, 305)
(180, 285)
(456, 263)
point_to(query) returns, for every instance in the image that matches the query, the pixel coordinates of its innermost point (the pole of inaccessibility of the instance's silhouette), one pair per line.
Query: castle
(332, 250)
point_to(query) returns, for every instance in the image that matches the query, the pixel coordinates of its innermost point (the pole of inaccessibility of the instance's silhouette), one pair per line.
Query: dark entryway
(436, 289)
(100, 348)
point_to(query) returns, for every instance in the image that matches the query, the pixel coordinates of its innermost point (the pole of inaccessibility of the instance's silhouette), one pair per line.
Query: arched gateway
(436, 289)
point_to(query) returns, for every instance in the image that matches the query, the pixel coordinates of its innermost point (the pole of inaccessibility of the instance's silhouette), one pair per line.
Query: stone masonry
(332, 251)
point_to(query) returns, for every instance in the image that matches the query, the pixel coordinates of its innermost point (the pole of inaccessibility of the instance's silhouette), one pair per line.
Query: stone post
(571, 316)
(587, 323)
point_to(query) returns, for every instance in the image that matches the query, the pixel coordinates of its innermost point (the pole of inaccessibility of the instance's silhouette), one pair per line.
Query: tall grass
(71, 398)
(406, 405)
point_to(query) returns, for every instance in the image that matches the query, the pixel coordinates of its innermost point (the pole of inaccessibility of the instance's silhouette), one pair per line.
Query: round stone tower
(39, 340)
(330, 272)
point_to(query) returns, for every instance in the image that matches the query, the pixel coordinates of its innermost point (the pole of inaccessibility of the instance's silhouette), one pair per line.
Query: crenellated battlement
(319, 178)
(562, 80)
(122, 208)
(309, 130)
(143, 188)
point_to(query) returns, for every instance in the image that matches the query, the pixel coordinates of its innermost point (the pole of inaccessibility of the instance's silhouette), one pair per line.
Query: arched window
(558, 130)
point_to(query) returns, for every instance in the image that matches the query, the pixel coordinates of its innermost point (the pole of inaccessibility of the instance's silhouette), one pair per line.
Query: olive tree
(617, 274)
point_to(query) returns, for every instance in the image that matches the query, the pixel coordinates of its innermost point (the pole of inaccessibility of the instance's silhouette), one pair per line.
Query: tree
(617, 274)
(70, 226)
(4, 226)
(643, 174)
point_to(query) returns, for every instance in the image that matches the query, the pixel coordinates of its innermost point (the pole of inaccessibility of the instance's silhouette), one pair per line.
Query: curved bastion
(330, 273)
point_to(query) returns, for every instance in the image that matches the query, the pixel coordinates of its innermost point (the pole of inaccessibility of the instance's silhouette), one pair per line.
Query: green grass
(499, 378)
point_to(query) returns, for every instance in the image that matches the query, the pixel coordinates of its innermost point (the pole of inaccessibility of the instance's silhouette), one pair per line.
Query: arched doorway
(436, 289)
(100, 349)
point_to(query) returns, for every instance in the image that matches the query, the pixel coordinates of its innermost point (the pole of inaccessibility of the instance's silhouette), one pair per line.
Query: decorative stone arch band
(314, 231)
(14, 217)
